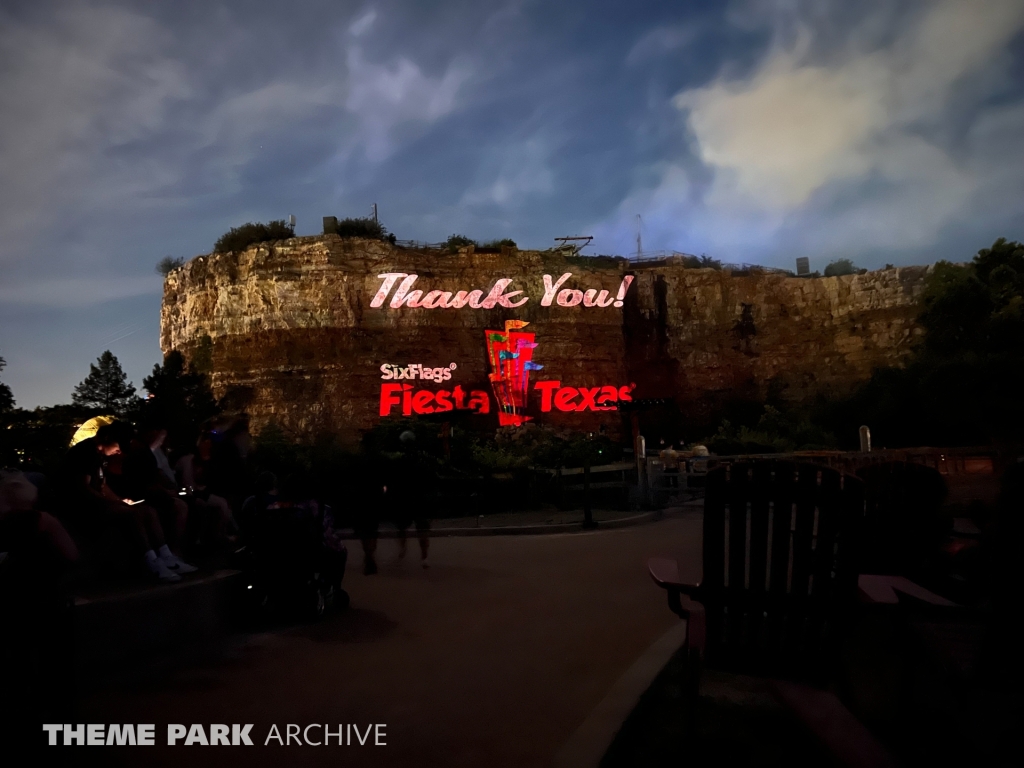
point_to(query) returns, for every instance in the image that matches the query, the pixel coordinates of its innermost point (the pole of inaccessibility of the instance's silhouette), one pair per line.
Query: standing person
(227, 473)
(92, 506)
(411, 492)
(365, 506)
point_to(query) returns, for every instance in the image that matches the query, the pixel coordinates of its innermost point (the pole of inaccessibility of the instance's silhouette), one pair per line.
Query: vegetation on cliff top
(454, 242)
(841, 267)
(168, 264)
(240, 238)
(369, 228)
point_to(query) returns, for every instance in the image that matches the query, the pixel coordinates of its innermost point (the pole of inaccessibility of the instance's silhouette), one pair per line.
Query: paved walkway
(492, 657)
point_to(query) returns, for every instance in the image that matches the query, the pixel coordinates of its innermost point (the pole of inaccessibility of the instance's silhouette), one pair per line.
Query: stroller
(294, 560)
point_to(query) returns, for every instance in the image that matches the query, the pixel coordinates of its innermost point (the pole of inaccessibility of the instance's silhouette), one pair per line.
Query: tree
(454, 242)
(180, 395)
(106, 388)
(840, 267)
(369, 228)
(6, 396)
(963, 383)
(168, 264)
(497, 245)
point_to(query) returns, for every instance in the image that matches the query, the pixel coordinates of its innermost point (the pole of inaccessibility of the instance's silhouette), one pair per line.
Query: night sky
(884, 132)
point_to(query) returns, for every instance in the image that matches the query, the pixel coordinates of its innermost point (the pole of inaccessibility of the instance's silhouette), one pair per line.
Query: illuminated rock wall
(292, 333)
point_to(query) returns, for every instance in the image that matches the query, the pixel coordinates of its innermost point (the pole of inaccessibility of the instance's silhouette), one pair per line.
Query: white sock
(150, 556)
(165, 552)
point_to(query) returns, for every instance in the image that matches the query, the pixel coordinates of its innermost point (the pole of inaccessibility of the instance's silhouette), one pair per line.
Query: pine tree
(181, 395)
(6, 396)
(106, 388)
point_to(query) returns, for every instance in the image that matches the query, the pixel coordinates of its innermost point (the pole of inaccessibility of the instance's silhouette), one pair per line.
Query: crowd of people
(123, 501)
(120, 505)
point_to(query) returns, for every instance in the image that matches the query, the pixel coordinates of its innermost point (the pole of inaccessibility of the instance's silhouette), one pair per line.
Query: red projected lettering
(423, 401)
(568, 399)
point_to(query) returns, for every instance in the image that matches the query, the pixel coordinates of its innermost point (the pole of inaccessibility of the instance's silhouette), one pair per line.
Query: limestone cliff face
(294, 337)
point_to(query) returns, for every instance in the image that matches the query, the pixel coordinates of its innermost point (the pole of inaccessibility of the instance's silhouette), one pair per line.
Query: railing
(420, 246)
(948, 461)
(678, 257)
(659, 256)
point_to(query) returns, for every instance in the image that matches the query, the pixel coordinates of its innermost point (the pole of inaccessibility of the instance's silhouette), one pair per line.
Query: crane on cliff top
(573, 244)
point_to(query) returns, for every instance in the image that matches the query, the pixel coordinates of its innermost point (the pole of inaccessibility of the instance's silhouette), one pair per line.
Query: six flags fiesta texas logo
(510, 353)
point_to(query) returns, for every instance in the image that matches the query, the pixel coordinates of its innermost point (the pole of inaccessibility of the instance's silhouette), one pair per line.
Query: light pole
(588, 517)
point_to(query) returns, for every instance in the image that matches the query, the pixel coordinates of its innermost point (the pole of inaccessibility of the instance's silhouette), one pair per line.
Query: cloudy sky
(752, 131)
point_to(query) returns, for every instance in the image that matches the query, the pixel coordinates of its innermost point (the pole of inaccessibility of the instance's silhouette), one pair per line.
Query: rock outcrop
(289, 329)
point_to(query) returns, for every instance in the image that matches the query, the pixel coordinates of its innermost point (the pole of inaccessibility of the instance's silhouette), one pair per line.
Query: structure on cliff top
(329, 334)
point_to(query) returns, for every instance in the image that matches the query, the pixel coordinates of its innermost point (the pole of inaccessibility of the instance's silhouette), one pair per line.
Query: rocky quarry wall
(296, 332)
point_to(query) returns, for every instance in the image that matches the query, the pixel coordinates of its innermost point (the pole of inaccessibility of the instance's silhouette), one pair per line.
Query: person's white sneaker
(177, 565)
(157, 567)
(173, 562)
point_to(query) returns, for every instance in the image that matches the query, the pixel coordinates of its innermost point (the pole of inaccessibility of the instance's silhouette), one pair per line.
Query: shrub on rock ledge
(240, 238)
(369, 228)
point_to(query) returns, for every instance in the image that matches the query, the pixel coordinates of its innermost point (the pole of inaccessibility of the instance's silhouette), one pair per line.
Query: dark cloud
(754, 131)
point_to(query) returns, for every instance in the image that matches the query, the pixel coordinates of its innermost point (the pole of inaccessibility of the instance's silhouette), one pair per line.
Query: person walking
(411, 495)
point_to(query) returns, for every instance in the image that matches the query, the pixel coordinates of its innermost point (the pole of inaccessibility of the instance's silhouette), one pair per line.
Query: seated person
(27, 535)
(38, 674)
(143, 479)
(93, 506)
(191, 473)
(293, 525)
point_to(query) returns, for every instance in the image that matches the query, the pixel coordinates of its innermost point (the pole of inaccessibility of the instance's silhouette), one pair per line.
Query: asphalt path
(493, 656)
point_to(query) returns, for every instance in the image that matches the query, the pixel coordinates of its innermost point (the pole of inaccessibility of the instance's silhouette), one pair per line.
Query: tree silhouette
(6, 396)
(840, 267)
(168, 264)
(180, 394)
(106, 387)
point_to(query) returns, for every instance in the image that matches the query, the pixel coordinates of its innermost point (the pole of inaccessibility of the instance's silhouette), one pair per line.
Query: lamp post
(588, 517)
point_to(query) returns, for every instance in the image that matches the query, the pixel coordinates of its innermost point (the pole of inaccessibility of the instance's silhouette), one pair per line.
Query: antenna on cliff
(639, 249)
(291, 221)
(374, 213)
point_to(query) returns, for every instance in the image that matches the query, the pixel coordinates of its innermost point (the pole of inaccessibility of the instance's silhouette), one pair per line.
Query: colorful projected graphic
(511, 356)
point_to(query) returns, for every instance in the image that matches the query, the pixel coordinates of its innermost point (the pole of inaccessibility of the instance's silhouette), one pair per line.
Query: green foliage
(701, 262)
(963, 384)
(595, 262)
(180, 396)
(535, 446)
(497, 245)
(6, 396)
(778, 430)
(168, 264)
(240, 238)
(454, 242)
(367, 228)
(841, 267)
(106, 389)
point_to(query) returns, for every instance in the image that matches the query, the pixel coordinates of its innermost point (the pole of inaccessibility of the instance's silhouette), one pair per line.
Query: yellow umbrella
(90, 428)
